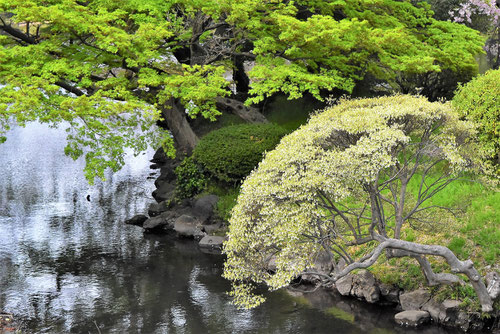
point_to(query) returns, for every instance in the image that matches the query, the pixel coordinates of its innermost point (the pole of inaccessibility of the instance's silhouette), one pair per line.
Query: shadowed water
(69, 265)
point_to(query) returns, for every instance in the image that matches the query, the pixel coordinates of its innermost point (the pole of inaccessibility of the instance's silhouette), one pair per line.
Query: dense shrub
(479, 101)
(230, 153)
(190, 178)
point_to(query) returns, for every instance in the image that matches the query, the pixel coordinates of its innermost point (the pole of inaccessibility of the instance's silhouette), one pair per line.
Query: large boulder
(160, 156)
(414, 300)
(165, 192)
(365, 286)
(167, 174)
(136, 220)
(412, 318)
(204, 207)
(189, 227)
(344, 285)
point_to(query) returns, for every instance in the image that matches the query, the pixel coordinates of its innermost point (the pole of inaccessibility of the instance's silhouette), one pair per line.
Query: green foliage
(229, 154)
(109, 67)
(226, 203)
(191, 179)
(479, 101)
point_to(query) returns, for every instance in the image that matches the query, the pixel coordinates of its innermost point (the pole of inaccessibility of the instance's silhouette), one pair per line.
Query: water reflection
(67, 264)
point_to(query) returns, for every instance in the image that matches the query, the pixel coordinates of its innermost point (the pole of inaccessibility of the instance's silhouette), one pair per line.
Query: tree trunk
(239, 75)
(184, 137)
(418, 251)
(249, 114)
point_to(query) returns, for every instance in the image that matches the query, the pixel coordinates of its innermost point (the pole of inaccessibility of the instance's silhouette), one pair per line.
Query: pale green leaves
(336, 157)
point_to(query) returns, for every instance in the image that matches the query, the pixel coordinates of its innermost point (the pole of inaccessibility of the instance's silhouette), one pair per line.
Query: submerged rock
(412, 318)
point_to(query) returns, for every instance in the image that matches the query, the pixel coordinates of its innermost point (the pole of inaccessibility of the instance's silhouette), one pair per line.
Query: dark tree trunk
(239, 75)
(184, 137)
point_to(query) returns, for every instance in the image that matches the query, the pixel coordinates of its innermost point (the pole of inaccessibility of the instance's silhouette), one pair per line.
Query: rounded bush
(479, 101)
(231, 153)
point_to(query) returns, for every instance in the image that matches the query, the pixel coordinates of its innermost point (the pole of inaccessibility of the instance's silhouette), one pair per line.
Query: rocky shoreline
(195, 218)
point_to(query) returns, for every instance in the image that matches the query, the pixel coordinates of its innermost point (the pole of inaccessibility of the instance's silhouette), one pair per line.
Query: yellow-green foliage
(338, 153)
(479, 101)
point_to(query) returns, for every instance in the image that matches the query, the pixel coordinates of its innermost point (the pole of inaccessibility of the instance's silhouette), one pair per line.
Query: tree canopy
(338, 186)
(111, 69)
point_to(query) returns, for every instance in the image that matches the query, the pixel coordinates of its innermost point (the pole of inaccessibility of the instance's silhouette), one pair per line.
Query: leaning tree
(112, 68)
(340, 182)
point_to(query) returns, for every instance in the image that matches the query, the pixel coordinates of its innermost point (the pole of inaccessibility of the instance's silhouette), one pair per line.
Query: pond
(68, 263)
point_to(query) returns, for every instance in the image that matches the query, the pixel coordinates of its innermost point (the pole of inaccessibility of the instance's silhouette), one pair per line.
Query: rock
(164, 192)
(167, 174)
(389, 292)
(414, 300)
(445, 313)
(451, 305)
(156, 209)
(204, 207)
(339, 266)
(463, 321)
(365, 286)
(210, 241)
(449, 311)
(187, 226)
(344, 285)
(412, 318)
(137, 220)
(211, 228)
(160, 156)
(435, 310)
(271, 265)
(163, 221)
(493, 284)
(323, 264)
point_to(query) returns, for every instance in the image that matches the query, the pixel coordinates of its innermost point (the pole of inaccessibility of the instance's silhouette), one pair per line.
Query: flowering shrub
(490, 12)
(338, 186)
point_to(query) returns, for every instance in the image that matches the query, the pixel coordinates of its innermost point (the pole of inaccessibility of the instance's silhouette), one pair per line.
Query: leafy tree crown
(340, 156)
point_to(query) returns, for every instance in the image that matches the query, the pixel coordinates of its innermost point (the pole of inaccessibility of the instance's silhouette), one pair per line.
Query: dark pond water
(68, 265)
